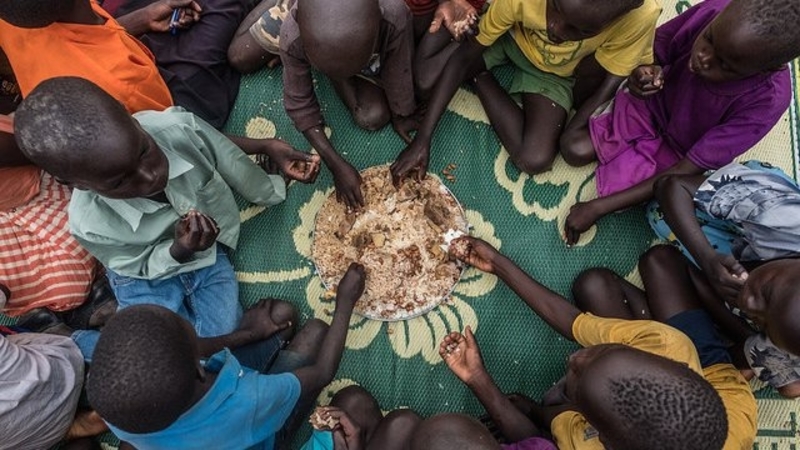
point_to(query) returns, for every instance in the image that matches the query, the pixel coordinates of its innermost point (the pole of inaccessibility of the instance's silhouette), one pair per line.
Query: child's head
(85, 138)
(575, 20)
(452, 431)
(771, 298)
(748, 37)
(144, 369)
(339, 37)
(34, 13)
(639, 400)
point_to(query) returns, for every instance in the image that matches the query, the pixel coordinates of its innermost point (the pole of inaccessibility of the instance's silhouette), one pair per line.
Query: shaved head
(339, 37)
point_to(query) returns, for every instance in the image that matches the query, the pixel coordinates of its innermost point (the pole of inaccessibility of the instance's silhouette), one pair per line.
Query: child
(463, 357)
(670, 297)
(720, 85)
(149, 383)
(545, 40)
(42, 380)
(748, 241)
(635, 384)
(153, 199)
(449, 431)
(361, 424)
(366, 48)
(79, 38)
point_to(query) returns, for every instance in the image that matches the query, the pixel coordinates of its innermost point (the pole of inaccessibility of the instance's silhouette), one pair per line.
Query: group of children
(125, 131)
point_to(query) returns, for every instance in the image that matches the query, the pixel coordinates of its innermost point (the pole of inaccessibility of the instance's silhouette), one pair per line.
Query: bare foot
(85, 424)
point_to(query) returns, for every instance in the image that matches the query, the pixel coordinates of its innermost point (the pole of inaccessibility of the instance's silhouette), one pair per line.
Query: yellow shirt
(571, 430)
(622, 46)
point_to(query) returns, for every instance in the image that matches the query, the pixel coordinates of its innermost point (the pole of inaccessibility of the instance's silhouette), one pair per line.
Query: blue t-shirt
(320, 440)
(243, 409)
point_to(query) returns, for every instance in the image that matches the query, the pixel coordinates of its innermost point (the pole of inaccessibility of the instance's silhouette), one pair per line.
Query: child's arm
(465, 62)
(553, 308)
(319, 374)
(297, 165)
(675, 194)
(463, 357)
(346, 178)
(583, 215)
(257, 325)
(157, 17)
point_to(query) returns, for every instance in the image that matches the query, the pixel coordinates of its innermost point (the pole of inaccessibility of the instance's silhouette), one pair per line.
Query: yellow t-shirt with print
(622, 46)
(571, 430)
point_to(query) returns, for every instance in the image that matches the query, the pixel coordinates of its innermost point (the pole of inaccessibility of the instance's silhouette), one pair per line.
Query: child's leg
(365, 100)
(604, 293)
(214, 297)
(530, 135)
(261, 355)
(302, 351)
(395, 431)
(431, 55)
(256, 41)
(362, 408)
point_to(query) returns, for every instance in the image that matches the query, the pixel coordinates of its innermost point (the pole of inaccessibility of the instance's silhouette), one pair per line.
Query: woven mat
(521, 215)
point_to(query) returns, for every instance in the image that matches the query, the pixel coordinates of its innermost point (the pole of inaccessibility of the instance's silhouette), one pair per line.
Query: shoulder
(154, 122)
(644, 16)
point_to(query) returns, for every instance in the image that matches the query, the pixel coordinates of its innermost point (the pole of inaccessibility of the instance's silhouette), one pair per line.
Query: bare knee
(309, 338)
(576, 147)
(352, 395)
(401, 423)
(791, 390)
(284, 312)
(371, 117)
(589, 283)
(657, 259)
(534, 161)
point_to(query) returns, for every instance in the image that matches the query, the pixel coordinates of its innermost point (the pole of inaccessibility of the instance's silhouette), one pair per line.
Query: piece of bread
(319, 423)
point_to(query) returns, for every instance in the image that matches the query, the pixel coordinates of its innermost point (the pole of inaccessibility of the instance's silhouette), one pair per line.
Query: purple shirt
(396, 50)
(711, 123)
(533, 443)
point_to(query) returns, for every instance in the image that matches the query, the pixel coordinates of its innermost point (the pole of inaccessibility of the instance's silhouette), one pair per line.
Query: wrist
(180, 253)
(478, 378)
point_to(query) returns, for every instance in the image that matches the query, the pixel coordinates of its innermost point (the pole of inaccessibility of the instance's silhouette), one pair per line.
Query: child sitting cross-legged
(719, 85)
(152, 386)
(636, 384)
(154, 197)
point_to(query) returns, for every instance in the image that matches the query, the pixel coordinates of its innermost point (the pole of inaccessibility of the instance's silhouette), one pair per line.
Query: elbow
(665, 186)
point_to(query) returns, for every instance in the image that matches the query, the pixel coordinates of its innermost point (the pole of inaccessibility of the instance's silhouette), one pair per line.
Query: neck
(202, 387)
(82, 13)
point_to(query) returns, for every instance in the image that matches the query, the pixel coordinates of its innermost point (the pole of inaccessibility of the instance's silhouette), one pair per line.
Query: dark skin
(530, 134)
(675, 194)
(673, 285)
(245, 54)
(362, 426)
(463, 358)
(366, 101)
(726, 50)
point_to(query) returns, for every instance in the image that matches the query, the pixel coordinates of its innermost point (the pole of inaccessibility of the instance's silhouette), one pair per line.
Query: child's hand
(195, 232)
(726, 275)
(646, 81)
(411, 162)
(458, 16)
(347, 435)
(160, 14)
(581, 217)
(348, 186)
(258, 323)
(351, 286)
(461, 354)
(296, 165)
(404, 125)
(476, 253)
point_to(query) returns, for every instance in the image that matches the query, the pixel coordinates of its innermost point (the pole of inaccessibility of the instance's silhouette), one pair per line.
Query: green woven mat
(521, 215)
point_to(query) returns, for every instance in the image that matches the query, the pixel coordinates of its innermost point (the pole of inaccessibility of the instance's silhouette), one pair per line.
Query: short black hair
(35, 13)
(668, 411)
(143, 371)
(59, 124)
(776, 22)
(448, 431)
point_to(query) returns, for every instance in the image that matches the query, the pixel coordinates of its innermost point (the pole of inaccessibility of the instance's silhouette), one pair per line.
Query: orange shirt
(104, 54)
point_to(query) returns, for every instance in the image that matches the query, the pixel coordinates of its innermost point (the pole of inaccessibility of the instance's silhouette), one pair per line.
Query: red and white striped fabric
(40, 262)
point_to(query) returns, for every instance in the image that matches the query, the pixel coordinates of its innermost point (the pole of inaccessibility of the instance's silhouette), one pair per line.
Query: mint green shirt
(132, 236)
